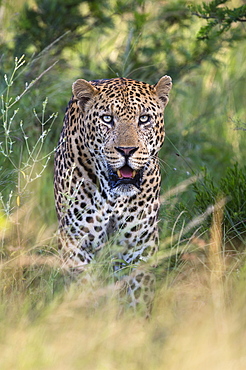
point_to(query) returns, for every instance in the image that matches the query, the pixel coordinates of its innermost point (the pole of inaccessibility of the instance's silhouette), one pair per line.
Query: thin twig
(33, 82)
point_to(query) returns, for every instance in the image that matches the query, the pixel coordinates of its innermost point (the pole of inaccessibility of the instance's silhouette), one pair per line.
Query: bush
(232, 187)
(40, 26)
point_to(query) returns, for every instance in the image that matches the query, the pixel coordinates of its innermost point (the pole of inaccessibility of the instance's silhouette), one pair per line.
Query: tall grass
(198, 319)
(23, 162)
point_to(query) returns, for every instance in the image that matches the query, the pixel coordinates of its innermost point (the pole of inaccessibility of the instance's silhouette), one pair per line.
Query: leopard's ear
(162, 89)
(83, 91)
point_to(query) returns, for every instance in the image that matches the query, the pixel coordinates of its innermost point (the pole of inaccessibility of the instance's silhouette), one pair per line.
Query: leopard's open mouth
(125, 176)
(126, 172)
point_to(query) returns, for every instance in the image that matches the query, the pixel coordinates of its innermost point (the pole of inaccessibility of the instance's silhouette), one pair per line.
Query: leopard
(107, 178)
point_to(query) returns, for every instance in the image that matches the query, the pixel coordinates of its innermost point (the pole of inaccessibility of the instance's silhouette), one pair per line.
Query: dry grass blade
(217, 267)
(179, 188)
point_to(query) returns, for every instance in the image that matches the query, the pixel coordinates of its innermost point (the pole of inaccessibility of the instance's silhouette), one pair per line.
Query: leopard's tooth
(133, 173)
(119, 174)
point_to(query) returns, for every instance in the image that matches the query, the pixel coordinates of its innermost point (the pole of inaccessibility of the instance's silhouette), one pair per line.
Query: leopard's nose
(126, 151)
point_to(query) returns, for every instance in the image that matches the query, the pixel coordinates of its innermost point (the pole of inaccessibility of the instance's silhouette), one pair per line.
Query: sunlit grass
(197, 319)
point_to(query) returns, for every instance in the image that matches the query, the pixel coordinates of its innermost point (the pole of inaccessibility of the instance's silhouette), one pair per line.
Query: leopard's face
(124, 121)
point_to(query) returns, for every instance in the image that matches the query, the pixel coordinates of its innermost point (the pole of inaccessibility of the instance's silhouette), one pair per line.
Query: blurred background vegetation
(45, 45)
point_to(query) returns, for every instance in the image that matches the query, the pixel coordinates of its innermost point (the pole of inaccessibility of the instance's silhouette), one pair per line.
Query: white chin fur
(126, 190)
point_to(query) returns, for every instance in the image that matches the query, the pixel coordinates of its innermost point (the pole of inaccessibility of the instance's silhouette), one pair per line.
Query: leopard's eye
(144, 119)
(107, 119)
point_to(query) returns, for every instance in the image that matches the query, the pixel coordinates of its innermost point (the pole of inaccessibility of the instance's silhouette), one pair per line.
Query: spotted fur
(107, 175)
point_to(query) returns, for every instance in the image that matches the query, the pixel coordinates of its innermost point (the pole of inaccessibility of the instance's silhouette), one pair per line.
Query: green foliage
(219, 18)
(152, 43)
(138, 39)
(232, 187)
(46, 22)
(146, 36)
(23, 159)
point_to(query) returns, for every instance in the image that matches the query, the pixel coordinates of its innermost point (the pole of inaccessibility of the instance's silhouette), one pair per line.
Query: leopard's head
(123, 126)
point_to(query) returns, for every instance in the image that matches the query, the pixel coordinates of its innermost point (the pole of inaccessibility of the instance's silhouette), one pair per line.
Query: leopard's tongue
(126, 172)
